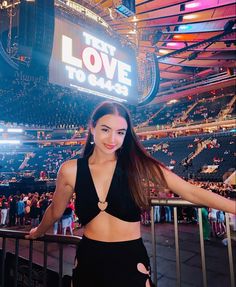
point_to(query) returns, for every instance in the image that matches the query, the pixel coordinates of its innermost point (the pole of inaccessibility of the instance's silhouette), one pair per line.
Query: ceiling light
(190, 16)
(172, 102)
(185, 27)
(13, 130)
(162, 51)
(192, 5)
(9, 142)
(178, 36)
(172, 44)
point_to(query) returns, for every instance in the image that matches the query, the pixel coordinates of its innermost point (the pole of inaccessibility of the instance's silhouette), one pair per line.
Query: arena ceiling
(193, 42)
(191, 39)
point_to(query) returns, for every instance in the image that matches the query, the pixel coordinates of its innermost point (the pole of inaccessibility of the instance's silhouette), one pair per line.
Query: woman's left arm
(196, 194)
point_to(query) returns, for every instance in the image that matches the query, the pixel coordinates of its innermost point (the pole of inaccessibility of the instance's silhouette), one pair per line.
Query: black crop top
(120, 201)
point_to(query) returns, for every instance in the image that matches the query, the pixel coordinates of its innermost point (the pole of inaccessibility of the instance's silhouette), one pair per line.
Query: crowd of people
(213, 219)
(23, 101)
(28, 209)
(23, 209)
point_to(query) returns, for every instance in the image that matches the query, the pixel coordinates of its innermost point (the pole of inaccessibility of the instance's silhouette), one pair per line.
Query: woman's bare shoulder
(68, 170)
(72, 163)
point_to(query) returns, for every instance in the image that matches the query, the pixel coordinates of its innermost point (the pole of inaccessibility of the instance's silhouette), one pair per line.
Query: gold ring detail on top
(102, 205)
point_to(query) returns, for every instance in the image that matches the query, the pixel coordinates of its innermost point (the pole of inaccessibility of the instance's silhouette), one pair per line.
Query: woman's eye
(121, 133)
(105, 130)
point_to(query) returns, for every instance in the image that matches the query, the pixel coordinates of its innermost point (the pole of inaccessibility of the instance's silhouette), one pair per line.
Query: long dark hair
(142, 169)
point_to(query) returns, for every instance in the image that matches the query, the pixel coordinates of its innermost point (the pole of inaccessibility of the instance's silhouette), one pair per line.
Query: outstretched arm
(63, 193)
(196, 194)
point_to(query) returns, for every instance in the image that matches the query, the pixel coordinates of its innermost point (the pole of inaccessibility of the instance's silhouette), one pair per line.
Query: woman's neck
(98, 157)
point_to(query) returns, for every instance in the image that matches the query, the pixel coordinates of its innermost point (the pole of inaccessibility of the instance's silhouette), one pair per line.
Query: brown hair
(142, 169)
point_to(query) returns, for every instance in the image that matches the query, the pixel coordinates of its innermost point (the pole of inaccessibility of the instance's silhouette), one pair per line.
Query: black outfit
(108, 264)
(119, 198)
(12, 212)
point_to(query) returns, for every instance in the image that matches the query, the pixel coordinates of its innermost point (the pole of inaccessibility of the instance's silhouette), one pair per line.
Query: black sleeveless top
(120, 201)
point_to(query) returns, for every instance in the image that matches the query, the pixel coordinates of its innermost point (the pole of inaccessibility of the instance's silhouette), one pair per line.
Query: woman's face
(109, 133)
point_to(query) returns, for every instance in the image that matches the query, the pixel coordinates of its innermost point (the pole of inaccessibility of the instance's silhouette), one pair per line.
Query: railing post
(45, 257)
(230, 253)
(30, 261)
(60, 264)
(3, 261)
(154, 267)
(178, 271)
(16, 261)
(204, 277)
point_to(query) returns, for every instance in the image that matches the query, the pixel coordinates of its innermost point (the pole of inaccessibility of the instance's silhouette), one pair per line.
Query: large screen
(91, 62)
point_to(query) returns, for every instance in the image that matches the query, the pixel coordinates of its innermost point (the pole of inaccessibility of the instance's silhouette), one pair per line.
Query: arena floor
(216, 256)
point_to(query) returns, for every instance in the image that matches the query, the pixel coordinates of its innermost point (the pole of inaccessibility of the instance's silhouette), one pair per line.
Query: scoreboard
(71, 46)
(92, 62)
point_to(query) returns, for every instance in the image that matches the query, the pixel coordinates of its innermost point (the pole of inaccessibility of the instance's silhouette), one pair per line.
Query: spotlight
(182, 7)
(228, 44)
(228, 27)
(124, 7)
(193, 56)
(156, 37)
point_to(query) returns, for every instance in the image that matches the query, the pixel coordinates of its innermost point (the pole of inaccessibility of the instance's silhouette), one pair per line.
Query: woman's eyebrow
(105, 126)
(123, 129)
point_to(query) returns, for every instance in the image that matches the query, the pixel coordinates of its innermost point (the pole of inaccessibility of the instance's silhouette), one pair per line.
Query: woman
(206, 224)
(67, 219)
(213, 221)
(112, 182)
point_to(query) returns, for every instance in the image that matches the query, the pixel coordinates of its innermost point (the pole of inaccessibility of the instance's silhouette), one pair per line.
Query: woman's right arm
(196, 194)
(64, 191)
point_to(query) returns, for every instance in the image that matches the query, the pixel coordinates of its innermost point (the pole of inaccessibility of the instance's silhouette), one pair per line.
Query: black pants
(111, 264)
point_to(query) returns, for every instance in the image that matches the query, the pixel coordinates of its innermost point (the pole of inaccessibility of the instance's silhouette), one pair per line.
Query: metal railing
(176, 202)
(47, 239)
(74, 240)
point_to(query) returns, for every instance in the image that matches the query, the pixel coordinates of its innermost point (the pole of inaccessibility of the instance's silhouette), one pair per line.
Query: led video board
(90, 62)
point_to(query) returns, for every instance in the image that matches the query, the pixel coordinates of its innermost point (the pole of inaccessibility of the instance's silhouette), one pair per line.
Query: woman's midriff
(107, 228)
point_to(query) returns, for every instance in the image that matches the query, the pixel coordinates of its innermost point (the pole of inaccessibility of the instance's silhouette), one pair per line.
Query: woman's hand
(33, 234)
(63, 193)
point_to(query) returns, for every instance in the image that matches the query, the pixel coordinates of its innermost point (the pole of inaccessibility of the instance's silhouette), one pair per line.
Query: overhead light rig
(208, 42)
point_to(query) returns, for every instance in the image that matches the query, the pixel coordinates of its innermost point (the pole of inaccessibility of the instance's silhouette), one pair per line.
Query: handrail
(62, 239)
(47, 238)
(172, 202)
(74, 240)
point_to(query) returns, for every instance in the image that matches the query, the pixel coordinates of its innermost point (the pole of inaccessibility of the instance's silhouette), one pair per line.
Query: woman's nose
(112, 137)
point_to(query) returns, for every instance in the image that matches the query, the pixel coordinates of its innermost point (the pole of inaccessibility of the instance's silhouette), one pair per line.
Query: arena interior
(172, 64)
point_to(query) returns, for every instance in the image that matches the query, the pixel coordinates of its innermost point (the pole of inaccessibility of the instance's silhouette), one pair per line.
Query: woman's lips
(109, 146)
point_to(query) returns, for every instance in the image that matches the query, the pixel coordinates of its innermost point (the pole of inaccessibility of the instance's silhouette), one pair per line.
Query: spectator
(4, 210)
